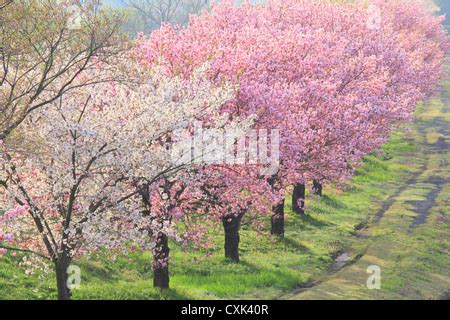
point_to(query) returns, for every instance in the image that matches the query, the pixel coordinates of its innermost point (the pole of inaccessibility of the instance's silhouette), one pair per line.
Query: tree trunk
(298, 199)
(161, 263)
(278, 219)
(231, 225)
(161, 250)
(317, 188)
(61, 266)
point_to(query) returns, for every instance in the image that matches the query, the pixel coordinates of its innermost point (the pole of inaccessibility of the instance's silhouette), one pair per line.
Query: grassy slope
(270, 269)
(414, 261)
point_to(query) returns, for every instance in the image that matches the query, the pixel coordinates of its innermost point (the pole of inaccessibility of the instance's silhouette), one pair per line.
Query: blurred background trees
(147, 15)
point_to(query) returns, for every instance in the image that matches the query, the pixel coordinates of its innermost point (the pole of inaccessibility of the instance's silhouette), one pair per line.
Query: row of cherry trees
(336, 80)
(95, 168)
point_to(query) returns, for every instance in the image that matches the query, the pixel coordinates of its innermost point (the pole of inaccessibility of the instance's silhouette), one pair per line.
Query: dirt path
(408, 237)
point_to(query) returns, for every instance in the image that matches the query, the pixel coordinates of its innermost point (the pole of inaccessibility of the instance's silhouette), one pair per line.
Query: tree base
(318, 188)
(62, 277)
(161, 277)
(278, 220)
(231, 225)
(298, 199)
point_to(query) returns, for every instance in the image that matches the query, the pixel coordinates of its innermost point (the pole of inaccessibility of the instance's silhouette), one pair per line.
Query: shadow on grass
(238, 279)
(333, 202)
(291, 243)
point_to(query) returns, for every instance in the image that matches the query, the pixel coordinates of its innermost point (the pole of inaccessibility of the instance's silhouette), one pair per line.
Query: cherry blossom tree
(172, 196)
(96, 148)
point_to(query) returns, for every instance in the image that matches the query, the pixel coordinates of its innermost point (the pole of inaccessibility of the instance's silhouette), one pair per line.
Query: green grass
(273, 268)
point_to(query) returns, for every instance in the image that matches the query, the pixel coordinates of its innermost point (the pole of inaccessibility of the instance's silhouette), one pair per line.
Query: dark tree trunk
(231, 225)
(61, 266)
(160, 252)
(317, 188)
(298, 199)
(278, 219)
(161, 263)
